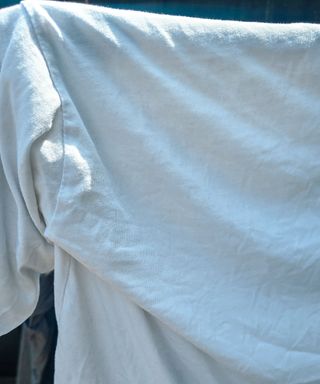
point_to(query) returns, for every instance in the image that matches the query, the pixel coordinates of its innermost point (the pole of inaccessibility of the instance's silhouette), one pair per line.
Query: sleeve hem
(21, 308)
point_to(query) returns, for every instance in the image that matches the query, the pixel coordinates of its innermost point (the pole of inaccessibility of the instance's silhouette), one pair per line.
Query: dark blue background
(279, 11)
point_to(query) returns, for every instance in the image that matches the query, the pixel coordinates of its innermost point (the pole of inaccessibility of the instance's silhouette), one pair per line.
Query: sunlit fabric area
(159, 202)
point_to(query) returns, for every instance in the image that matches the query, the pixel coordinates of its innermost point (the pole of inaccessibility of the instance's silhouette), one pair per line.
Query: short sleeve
(30, 159)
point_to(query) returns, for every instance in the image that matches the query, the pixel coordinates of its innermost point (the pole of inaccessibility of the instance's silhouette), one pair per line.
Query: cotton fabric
(167, 169)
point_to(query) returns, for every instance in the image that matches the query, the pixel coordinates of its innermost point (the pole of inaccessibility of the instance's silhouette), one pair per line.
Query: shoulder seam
(28, 10)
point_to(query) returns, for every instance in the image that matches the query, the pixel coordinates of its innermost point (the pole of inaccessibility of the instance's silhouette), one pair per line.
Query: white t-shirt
(168, 169)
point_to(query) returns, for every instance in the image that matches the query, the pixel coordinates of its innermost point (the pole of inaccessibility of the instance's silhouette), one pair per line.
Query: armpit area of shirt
(47, 161)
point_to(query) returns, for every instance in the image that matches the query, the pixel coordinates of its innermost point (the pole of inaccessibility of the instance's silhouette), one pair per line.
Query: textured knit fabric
(167, 168)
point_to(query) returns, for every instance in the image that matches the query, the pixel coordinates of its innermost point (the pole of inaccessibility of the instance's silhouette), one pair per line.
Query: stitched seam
(62, 298)
(37, 34)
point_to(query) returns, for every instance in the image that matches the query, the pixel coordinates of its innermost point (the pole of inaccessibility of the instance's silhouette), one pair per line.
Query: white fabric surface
(168, 169)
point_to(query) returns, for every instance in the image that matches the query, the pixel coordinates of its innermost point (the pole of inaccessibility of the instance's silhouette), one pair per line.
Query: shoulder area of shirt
(61, 16)
(8, 20)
